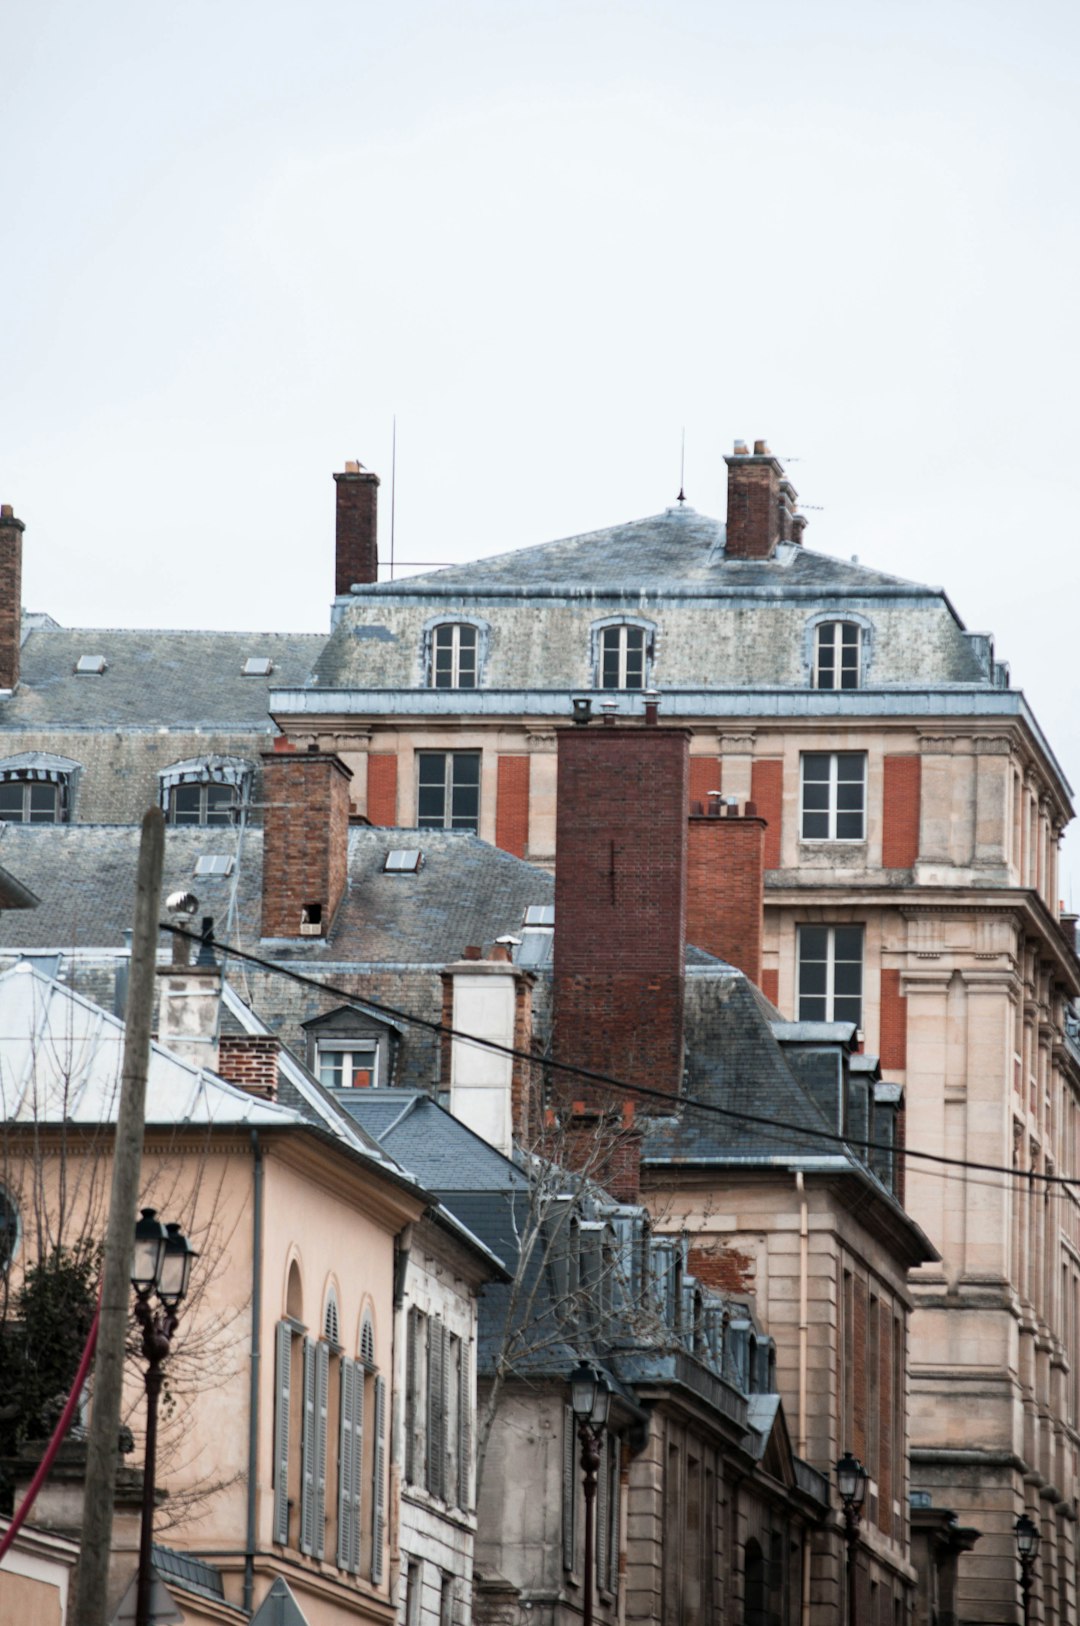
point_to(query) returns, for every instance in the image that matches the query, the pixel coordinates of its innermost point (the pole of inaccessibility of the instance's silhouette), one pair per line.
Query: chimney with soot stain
(725, 907)
(761, 504)
(620, 909)
(357, 549)
(305, 842)
(11, 535)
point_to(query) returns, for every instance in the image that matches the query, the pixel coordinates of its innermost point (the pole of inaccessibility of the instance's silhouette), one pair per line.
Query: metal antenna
(393, 491)
(682, 468)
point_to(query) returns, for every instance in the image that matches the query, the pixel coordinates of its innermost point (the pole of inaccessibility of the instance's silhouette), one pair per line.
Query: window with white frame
(834, 796)
(203, 804)
(448, 790)
(830, 974)
(348, 1064)
(837, 655)
(36, 788)
(454, 656)
(623, 655)
(205, 790)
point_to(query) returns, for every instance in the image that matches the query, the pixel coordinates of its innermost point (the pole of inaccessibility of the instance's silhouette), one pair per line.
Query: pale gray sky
(238, 238)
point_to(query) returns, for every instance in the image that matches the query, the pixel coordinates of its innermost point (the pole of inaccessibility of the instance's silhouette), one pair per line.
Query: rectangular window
(448, 790)
(414, 1582)
(349, 1066)
(830, 974)
(836, 655)
(622, 658)
(834, 796)
(32, 801)
(453, 663)
(202, 804)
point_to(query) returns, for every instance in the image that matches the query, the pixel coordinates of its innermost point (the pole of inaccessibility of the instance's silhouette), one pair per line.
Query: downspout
(256, 1362)
(804, 1334)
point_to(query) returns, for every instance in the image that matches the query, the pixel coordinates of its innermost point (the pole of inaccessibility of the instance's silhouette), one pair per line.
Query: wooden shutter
(465, 1402)
(308, 1451)
(322, 1416)
(350, 1459)
(569, 1491)
(602, 1532)
(282, 1409)
(615, 1460)
(436, 1408)
(413, 1334)
(378, 1457)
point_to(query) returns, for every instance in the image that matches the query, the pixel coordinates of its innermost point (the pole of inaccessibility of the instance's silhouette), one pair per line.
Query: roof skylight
(402, 861)
(257, 666)
(213, 864)
(90, 666)
(540, 914)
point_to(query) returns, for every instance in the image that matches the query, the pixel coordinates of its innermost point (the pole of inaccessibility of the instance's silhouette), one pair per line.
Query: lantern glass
(1027, 1536)
(601, 1402)
(175, 1268)
(583, 1387)
(149, 1251)
(851, 1480)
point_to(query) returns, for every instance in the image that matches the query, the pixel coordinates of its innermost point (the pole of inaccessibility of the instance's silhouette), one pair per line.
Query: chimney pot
(6, 511)
(740, 449)
(761, 449)
(473, 952)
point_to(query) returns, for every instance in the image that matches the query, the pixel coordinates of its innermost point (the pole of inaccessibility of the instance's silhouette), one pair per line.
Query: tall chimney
(725, 904)
(357, 548)
(11, 535)
(305, 842)
(620, 908)
(761, 504)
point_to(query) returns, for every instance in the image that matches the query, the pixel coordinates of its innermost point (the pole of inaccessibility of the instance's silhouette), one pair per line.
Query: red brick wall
(305, 838)
(620, 903)
(724, 1268)
(901, 791)
(704, 777)
(11, 535)
(892, 1040)
(725, 889)
(770, 985)
(382, 788)
(512, 805)
(767, 795)
(356, 552)
(250, 1060)
(753, 507)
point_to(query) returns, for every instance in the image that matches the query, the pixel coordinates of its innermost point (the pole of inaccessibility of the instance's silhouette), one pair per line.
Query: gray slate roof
(678, 545)
(152, 679)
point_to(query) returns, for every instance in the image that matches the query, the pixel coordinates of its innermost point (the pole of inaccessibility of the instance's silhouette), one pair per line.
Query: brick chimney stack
(620, 908)
(761, 504)
(357, 548)
(305, 842)
(725, 860)
(11, 535)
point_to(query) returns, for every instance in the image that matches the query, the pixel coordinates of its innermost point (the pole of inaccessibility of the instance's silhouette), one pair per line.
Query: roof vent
(89, 666)
(402, 861)
(257, 666)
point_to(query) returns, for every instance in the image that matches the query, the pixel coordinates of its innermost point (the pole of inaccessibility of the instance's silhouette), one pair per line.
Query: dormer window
(205, 790)
(454, 656)
(203, 804)
(837, 655)
(36, 788)
(623, 653)
(349, 1050)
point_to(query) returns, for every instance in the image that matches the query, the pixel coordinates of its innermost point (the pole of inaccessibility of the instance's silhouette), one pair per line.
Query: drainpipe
(256, 1361)
(804, 1333)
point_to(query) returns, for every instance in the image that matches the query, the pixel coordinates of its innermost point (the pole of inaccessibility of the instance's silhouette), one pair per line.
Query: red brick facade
(892, 1040)
(11, 535)
(512, 805)
(704, 778)
(901, 792)
(620, 900)
(250, 1061)
(725, 889)
(770, 984)
(767, 795)
(357, 553)
(758, 509)
(726, 1269)
(305, 841)
(382, 788)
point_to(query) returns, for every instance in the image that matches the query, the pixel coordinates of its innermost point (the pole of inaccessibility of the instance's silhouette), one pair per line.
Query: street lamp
(851, 1483)
(590, 1400)
(162, 1263)
(1026, 1532)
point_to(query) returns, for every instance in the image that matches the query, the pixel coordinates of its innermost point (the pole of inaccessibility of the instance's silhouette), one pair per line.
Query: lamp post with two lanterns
(1026, 1532)
(590, 1400)
(162, 1265)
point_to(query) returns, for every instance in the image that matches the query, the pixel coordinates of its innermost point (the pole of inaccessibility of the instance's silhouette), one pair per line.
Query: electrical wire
(574, 1070)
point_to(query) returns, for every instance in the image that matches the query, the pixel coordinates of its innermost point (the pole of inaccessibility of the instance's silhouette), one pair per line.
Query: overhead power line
(590, 1075)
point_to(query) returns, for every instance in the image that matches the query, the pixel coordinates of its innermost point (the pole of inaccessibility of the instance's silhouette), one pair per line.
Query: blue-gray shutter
(308, 1451)
(350, 1458)
(569, 1491)
(466, 1401)
(322, 1421)
(378, 1456)
(603, 1486)
(436, 1408)
(615, 1457)
(282, 1409)
(413, 1334)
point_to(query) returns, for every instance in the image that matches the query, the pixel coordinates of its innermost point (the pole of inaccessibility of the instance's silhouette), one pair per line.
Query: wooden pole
(103, 1442)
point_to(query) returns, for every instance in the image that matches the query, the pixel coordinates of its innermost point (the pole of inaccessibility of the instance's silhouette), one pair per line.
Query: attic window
(213, 864)
(311, 920)
(89, 666)
(402, 861)
(537, 936)
(257, 666)
(539, 914)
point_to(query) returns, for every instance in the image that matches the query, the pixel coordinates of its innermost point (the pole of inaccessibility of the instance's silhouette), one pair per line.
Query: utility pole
(103, 1443)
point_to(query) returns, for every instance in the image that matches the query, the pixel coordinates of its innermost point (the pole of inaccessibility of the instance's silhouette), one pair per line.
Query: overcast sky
(239, 238)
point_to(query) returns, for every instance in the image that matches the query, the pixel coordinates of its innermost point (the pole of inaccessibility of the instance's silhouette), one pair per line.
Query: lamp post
(162, 1264)
(1026, 1532)
(851, 1483)
(590, 1399)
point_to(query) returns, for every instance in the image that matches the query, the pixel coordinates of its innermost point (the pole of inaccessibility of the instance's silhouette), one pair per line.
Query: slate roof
(678, 545)
(170, 679)
(445, 1154)
(465, 892)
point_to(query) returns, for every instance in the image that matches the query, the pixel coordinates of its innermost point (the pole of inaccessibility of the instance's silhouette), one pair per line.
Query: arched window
(374, 1449)
(837, 655)
(205, 790)
(623, 651)
(331, 1320)
(454, 656)
(755, 1586)
(37, 788)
